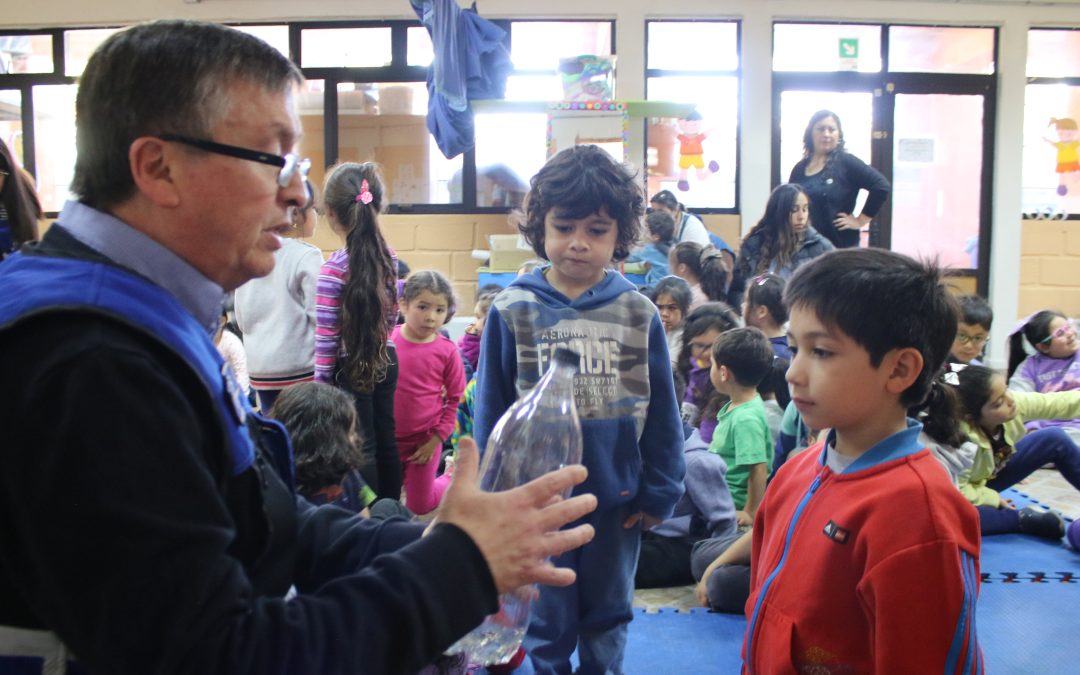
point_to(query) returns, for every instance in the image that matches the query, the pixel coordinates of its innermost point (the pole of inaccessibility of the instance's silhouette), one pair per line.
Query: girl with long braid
(356, 308)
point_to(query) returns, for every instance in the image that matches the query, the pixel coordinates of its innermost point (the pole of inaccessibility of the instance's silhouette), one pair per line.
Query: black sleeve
(739, 277)
(115, 533)
(862, 176)
(797, 174)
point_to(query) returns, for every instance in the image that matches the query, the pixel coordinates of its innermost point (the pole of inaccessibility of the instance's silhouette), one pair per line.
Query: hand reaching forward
(516, 530)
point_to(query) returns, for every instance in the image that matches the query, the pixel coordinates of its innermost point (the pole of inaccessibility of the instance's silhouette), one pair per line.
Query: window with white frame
(694, 156)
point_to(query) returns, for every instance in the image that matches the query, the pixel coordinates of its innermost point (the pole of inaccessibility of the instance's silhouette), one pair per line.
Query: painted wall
(1009, 247)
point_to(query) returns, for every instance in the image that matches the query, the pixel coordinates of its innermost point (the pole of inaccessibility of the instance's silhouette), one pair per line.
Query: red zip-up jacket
(873, 570)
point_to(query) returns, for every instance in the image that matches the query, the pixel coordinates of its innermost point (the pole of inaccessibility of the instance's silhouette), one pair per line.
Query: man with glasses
(148, 518)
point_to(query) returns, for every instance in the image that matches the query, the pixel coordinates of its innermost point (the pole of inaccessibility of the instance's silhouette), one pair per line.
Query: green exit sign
(849, 48)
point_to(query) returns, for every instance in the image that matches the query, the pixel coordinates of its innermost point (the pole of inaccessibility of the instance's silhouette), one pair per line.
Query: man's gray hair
(161, 77)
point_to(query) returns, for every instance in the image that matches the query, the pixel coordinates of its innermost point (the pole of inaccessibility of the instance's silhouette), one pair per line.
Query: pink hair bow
(365, 195)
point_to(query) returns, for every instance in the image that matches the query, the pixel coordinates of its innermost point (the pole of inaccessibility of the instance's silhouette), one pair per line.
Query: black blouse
(834, 189)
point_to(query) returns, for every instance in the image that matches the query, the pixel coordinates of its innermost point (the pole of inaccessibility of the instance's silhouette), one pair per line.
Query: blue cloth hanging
(471, 63)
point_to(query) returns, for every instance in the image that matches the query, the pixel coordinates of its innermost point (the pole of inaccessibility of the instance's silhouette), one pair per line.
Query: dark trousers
(663, 562)
(266, 399)
(1036, 449)
(375, 422)
(1032, 452)
(993, 520)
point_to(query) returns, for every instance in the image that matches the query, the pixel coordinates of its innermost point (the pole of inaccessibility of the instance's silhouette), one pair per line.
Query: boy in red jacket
(865, 557)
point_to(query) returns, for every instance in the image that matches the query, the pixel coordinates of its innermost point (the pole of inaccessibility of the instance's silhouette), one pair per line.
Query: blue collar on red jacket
(900, 444)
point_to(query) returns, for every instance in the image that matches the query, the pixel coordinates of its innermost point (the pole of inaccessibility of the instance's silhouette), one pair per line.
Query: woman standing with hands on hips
(832, 178)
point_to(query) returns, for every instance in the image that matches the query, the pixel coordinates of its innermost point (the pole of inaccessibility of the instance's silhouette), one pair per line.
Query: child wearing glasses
(972, 330)
(701, 401)
(1054, 365)
(978, 429)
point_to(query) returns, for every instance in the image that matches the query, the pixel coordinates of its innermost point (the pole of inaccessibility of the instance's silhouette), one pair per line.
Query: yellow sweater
(1062, 405)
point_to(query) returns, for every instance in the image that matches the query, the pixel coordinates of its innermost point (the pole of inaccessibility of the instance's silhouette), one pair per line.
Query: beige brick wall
(726, 227)
(445, 242)
(1049, 266)
(435, 242)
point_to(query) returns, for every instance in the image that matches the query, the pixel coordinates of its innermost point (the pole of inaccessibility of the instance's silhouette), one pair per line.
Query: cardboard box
(508, 252)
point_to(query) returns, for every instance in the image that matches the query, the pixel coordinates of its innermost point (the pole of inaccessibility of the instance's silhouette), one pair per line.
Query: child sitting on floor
(972, 330)
(764, 308)
(705, 268)
(704, 512)
(993, 419)
(321, 421)
(1055, 365)
(774, 393)
(741, 359)
(671, 295)
(655, 252)
(700, 400)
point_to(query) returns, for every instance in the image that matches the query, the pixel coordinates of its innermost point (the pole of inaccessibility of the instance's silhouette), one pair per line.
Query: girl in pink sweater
(431, 378)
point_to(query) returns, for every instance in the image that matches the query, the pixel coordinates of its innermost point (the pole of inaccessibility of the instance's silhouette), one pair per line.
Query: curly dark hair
(371, 288)
(321, 421)
(579, 182)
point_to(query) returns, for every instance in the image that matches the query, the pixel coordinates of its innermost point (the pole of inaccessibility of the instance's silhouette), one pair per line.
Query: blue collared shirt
(130, 248)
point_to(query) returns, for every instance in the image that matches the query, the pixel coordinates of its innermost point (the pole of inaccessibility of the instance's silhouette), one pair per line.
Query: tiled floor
(1046, 486)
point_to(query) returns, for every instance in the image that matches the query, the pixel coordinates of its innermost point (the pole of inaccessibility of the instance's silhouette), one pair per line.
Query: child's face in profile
(670, 314)
(969, 342)
(833, 383)
(480, 314)
(999, 407)
(580, 249)
(750, 314)
(719, 377)
(1061, 342)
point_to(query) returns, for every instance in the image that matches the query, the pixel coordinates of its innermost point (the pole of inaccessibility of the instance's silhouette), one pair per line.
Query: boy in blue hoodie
(582, 214)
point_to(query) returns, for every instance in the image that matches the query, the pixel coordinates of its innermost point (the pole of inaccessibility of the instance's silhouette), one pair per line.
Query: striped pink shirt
(332, 278)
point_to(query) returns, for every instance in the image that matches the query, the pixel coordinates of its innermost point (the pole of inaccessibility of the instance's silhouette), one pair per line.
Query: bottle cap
(567, 357)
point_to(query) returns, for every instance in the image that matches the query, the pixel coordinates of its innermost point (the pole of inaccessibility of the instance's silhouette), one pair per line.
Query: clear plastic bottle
(539, 433)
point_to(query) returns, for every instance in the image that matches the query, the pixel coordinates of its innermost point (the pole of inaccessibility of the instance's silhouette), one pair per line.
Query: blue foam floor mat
(1023, 554)
(1024, 627)
(684, 642)
(1021, 627)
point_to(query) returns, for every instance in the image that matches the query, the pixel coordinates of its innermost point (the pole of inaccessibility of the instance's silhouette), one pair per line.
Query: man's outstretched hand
(518, 529)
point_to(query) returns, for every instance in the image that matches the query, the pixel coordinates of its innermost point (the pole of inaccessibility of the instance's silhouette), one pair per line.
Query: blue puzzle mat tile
(697, 641)
(1023, 627)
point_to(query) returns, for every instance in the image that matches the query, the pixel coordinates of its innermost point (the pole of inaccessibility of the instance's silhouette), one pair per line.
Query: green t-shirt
(742, 439)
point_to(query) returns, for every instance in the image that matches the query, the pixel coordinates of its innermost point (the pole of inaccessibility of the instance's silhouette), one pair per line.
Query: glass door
(856, 113)
(937, 169)
(918, 106)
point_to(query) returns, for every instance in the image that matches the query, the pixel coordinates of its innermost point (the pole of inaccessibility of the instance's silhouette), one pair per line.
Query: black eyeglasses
(290, 164)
